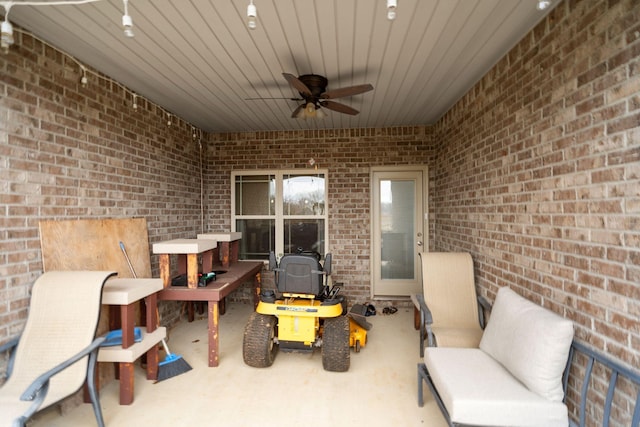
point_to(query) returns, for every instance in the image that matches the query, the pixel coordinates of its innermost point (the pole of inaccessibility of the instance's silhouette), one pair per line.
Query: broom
(173, 364)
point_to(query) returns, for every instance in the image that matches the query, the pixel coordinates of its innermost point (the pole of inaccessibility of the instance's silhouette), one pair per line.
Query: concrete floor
(378, 390)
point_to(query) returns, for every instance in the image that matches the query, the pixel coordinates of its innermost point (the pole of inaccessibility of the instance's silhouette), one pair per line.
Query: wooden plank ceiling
(198, 60)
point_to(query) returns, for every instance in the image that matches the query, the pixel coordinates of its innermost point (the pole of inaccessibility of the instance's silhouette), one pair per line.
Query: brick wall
(536, 172)
(68, 151)
(538, 175)
(348, 155)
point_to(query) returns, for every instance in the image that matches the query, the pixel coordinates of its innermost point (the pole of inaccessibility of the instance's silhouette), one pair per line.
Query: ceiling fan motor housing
(316, 84)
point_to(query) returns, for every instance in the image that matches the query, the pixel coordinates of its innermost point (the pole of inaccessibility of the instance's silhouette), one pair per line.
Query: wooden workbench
(236, 274)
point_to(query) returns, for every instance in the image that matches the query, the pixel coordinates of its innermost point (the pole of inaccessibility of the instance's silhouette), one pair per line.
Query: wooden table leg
(224, 254)
(214, 346)
(222, 306)
(192, 271)
(152, 321)
(207, 261)
(165, 270)
(126, 383)
(128, 320)
(125, 370)
(115, 322)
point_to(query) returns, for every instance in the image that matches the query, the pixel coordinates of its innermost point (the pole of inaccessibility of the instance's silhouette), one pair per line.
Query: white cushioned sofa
(513, 379)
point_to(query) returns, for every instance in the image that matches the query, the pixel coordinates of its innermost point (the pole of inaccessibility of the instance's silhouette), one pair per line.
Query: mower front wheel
(335, 344)
(258, 346)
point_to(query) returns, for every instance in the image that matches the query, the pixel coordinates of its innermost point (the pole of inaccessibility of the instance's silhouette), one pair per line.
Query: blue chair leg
(91, 383)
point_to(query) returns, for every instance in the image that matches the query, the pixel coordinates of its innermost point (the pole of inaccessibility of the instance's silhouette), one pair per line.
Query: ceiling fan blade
(297, 111)
(290, 99)
(297, 84)
(340, 108)
(346, 91)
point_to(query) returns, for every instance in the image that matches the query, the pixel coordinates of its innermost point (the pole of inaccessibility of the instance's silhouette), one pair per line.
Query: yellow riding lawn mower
(307, 313)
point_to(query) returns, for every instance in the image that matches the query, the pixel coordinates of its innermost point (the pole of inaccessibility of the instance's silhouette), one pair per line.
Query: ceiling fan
(312, 90)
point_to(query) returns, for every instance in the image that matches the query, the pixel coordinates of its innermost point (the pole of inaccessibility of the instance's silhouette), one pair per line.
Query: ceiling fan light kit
(310, 111)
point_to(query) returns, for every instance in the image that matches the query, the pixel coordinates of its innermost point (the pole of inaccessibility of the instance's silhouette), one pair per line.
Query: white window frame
(279, 202)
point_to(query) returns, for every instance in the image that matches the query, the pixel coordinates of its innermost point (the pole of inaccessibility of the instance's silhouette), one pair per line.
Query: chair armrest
(10, 347)
(9, 344)
(484, 303)
(426, 319)
(483, 306)
(41, 383)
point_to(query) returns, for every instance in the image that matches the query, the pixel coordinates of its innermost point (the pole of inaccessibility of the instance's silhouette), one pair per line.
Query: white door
(399, 220)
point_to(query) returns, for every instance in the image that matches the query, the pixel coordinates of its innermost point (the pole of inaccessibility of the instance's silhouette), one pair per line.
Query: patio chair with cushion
(451, 314)
(57, 349)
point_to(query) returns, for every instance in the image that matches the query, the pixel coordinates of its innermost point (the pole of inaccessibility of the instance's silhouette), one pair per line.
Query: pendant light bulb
(391, 9)
(127, 22)
(6, 36)
(252, 16)
(543, 4)
(83, 79)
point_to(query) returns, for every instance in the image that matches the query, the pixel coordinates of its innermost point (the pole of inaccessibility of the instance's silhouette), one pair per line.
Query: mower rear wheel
(335, 344)
(258, 346)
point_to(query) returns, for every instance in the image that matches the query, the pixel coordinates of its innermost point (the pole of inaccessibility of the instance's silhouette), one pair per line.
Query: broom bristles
(171, 366)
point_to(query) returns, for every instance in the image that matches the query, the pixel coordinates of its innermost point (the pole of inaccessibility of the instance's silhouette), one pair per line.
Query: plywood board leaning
(88, 244)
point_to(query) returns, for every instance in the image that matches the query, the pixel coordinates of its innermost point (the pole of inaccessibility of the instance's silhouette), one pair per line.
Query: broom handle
(166, 348)
(126, 256)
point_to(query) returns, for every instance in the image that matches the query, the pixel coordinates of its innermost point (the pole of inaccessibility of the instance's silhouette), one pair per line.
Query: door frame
(425, 219)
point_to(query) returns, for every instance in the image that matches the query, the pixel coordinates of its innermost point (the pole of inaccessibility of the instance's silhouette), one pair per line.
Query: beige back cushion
(449, 289)
(530, 341)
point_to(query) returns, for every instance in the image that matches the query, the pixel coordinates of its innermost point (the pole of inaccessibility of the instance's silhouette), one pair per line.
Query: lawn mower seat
(301, 273)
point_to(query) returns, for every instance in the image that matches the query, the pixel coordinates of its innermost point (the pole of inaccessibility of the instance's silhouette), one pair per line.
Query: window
(280, 211)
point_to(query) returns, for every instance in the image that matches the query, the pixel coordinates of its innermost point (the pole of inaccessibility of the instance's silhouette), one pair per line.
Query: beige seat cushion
(477, 390)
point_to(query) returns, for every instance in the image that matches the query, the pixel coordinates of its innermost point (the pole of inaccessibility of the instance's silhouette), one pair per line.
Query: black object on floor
(371, 310)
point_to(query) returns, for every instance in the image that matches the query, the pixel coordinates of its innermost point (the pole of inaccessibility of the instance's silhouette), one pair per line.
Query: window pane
(397, 209)
(255, 195)
(303, 194)
(306, 234)
(258, 237)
